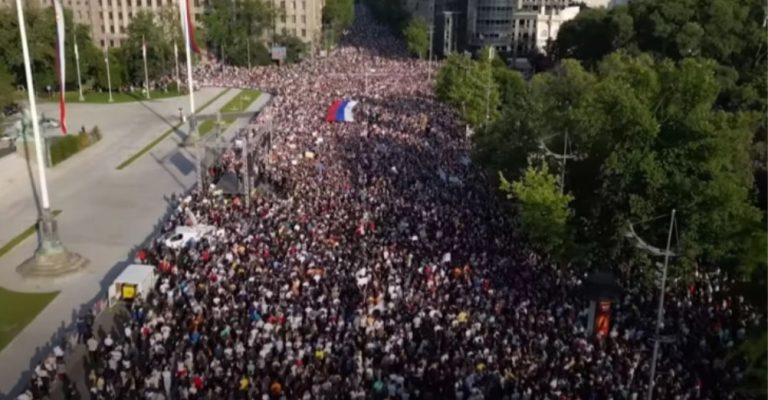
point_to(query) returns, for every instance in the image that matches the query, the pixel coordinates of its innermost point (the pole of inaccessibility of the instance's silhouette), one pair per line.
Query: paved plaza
(106, 213)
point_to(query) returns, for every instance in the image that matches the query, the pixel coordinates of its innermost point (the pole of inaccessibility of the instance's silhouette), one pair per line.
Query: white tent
(135, 281)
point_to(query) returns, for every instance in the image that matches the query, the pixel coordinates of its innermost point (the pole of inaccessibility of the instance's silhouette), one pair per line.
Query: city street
(106, 213)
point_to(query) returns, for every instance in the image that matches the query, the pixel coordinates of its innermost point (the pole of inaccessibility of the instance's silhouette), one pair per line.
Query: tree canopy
(468, 85)
(731, 33)
(41, 36)
(234, 29)
(416, 35)
(543, 209)
(650, 138)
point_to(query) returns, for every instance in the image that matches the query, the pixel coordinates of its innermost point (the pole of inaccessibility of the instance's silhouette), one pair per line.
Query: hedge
(64, 147)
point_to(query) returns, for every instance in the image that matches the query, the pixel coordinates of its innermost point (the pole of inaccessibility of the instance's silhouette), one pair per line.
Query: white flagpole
(77, 63)
(185, 32)
(144, 55)
(109, 77)
(46, 205)
(176, 60)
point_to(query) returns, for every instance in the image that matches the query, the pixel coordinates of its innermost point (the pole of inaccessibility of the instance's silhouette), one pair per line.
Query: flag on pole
(60, 63)
(188, 27)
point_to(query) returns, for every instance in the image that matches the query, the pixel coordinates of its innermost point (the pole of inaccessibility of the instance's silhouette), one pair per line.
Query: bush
(64, 147)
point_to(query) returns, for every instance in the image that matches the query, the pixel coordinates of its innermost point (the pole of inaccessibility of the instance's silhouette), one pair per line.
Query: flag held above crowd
(341, 111)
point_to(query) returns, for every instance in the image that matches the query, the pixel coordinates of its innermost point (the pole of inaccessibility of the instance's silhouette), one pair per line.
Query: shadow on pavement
(66, 335)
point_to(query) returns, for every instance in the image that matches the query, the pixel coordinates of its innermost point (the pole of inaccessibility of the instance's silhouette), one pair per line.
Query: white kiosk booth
(136, 281)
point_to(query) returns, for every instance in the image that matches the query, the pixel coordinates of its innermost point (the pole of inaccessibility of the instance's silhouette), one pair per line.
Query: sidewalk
(107, 214)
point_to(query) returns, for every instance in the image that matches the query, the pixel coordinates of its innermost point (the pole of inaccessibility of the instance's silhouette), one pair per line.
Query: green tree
(117, 72)
(7, 92)
(468, 86)
(231, 25)
(145, 28)
(416, 35)
(41, 37)
(295, 48)
(338, 15)
(542, 208)
(649, 137)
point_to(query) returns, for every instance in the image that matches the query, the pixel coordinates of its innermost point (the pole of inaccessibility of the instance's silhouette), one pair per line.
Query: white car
(184, 234)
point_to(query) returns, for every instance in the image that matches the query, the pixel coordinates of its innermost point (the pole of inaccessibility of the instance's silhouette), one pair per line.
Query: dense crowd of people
(386, 269)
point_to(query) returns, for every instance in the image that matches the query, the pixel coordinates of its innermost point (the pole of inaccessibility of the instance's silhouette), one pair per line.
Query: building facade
(534, 28)
(300, 18)
(489, 23)
(109, 19)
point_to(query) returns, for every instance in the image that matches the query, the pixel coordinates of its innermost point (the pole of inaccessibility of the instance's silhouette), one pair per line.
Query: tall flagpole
(33, 111)
(185, 31)
(191, 86)
(77, 63)
(109, 77)
(176, 60)
(51, 257)
(144, 55)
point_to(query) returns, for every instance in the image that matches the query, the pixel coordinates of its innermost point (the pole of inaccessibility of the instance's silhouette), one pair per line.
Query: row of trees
(126, 66)
(233, 31)
(645, 134)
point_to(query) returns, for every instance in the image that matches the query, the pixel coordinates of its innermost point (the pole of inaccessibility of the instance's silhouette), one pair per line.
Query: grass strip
(17, 310)
(239, 103)
(165, 134)
(21, 237)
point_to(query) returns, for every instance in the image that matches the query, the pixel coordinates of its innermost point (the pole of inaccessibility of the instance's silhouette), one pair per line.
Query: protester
(383, 267)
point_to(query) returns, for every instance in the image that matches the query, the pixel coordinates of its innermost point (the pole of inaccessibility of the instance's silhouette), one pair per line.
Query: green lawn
(239, 103)
(19, 309)
(103, 97)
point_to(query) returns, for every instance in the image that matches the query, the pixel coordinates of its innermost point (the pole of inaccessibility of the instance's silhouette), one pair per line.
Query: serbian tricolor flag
(187, 26)
(341, 111)
(60, 63)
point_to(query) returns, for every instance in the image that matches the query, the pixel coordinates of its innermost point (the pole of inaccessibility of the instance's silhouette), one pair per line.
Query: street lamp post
(641, 244)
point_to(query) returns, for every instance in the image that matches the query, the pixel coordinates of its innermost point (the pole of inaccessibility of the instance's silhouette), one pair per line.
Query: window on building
(102, 43)
(119, 3)
(282, 18)
(110, 14)
(120, 15)
(197, 3)
(109, 3)
(294, 5)
(112, 29)
(149, 3)
(129, 2)
(303, 19)
(111, 43)
(138, 3)
(293, 19)
(303, 5)
(282, 5)
(303, 33)
(103, 30)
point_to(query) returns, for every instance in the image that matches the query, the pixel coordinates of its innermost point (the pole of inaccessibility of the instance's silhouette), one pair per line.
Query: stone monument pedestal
(51, 259)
